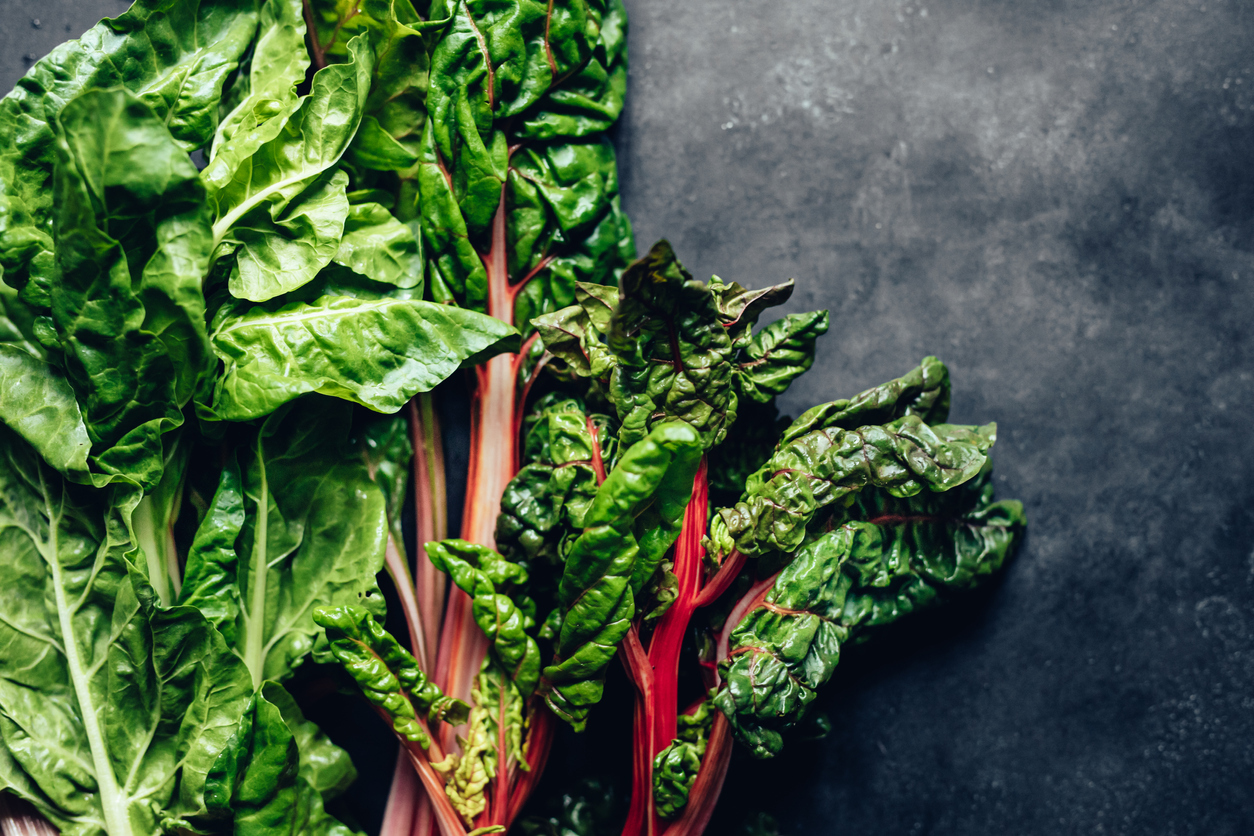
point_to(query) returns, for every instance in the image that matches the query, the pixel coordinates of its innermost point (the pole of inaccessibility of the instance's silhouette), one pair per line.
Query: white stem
(254, 647)
(112, 801)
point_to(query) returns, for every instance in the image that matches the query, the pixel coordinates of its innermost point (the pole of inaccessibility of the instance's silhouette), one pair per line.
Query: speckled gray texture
(1057, 198)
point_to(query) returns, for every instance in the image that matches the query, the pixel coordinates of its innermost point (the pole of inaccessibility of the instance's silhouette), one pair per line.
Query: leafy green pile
(242, 241)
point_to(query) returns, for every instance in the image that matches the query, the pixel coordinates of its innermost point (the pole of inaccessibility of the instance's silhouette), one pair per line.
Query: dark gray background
(1057, 198)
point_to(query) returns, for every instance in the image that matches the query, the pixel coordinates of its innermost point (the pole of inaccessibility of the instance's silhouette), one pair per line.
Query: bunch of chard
(215, 388)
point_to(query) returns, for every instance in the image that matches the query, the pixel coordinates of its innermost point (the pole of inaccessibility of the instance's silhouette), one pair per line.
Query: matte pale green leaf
(378, 353)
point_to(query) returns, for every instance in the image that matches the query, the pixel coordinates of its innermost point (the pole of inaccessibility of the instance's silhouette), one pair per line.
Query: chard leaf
(674, 355)
(378, 353)
(313, 535)
(517, 101)
(486, 577)
(898, 556)
(495, 695)
(634, 519)
(549, 496)
(739, 308)
(279, 206)
(277, 65)
(388, 676)
(265, 781)
(37, 402)
(923, 391)
(173, 56)
(209, 580)
(112, 710)
(779, 354)
(817, 469)
(125, 306)
(379, 247)
(675, 768)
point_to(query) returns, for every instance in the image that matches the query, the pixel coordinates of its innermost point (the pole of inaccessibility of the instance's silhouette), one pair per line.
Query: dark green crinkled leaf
(675, 767)
(488, 578)
(375, 352)
(779, 354)
(546, 501)
(209, 579)
(633, 520)
(112, 710)
(388, 676)
(313, 535)
(898, 556)
(674, 355)
(173, 56)
(923, 391)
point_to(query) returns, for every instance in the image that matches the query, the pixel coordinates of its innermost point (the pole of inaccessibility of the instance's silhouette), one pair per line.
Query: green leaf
(574, 334)
(125, 303)
(898, 556)
(779, 354)
(633, 520)
(378, 353)
(388, 451)
(173, 56)
(313, 535)
(379, 247)
(388, 676)
(209, 581)
(488, 579)
(279, 206)
(674, 355)
(924, 392)
(111, 710)
(675, 768)
(263, 782)
(546, 501)
(37, 402)
(819, 468)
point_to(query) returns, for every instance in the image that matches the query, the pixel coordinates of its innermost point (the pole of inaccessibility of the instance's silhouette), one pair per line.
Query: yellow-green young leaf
(102, 688)
(278, 204)
(375, 352)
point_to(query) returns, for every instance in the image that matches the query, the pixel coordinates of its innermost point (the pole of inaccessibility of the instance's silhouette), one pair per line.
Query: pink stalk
(19, 818)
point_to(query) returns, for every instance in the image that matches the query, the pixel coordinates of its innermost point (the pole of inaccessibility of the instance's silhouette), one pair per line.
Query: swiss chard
(196, 498)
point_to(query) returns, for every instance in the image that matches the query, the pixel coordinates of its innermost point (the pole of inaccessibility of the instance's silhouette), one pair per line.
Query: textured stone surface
(1057, 198)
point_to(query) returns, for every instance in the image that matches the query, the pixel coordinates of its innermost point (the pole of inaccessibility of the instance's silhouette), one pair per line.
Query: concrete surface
(1057, 198)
